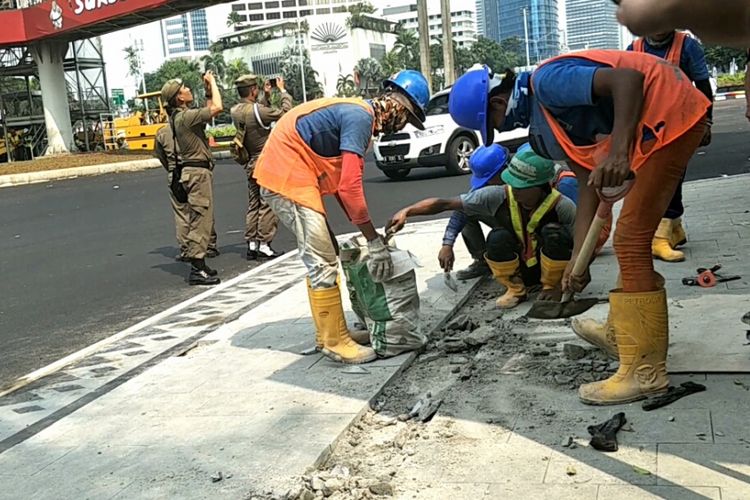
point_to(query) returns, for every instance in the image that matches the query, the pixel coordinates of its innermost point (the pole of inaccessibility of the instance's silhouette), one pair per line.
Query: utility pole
(526, 36)
(445, 14)
(424, 41)
(300, 41)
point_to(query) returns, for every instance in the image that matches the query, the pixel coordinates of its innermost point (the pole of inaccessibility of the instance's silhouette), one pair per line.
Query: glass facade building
(185, 34)
(541, 21)
(592, 25)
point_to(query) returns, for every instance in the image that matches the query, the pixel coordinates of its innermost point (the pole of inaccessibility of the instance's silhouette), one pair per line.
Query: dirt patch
(488, 379)
(69, 161)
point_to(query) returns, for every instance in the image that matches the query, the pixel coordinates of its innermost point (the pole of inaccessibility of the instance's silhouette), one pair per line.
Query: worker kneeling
(534, 241)
(318, 149)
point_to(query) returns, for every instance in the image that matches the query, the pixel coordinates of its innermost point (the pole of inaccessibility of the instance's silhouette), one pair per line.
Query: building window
(304, 13)
(272, 5)
(273, 15)
(255, 17)
(322, 11)
(339, 9)
(377, 51)
(289, 3)
(238, 7)
(290, 14)
(255, 6)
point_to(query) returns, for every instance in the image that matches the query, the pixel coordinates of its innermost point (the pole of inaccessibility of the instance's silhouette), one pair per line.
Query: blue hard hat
(485, 163)
(414, 85)
(469, 99)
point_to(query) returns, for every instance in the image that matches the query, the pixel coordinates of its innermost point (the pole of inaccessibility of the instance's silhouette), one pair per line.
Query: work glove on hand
(380, 264)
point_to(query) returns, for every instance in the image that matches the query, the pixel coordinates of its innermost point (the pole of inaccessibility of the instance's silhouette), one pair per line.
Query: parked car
(441, 144)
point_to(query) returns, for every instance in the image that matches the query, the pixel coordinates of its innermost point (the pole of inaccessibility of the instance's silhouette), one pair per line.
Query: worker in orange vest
(686, 53)
(318, 149)
(607, 114)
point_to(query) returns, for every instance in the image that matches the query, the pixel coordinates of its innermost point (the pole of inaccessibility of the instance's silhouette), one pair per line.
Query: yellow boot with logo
(679, 237)
(552, 273)
(361, 337)
(640, 323)
(509, 275)
(331, 330)
(661, 245)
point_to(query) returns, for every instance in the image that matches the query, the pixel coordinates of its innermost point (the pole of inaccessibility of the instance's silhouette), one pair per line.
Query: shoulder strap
(257, 117)
(174, 138)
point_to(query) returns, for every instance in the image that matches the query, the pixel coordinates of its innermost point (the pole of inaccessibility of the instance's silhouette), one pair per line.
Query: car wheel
(459, 152)
(397, 174)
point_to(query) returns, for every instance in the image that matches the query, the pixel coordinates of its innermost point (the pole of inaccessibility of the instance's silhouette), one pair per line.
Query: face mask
(517, 112)
(390, 115)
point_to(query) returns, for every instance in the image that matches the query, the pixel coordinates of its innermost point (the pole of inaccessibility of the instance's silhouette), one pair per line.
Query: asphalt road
(83, 259)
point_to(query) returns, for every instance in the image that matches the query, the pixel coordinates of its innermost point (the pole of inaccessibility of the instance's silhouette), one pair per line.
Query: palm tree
(345, 85)
(233, 19)
(407, 46)
(215, 62)
(133, 58)
(369, 71)
(235, 69)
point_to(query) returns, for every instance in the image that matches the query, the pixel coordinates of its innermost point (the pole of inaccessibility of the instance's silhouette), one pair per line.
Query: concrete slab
(634, 464)
(644, 492)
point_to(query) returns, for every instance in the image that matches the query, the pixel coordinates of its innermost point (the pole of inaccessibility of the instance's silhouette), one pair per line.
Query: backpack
(237, 148)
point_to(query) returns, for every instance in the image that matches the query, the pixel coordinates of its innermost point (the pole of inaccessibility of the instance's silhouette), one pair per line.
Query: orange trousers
(644, 206)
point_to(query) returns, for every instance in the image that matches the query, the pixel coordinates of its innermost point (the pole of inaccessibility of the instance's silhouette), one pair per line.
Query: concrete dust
(491, 380)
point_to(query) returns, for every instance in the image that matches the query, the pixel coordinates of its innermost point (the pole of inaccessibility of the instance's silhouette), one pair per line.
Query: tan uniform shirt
(192, 142)
(255, 134)
(164, 148)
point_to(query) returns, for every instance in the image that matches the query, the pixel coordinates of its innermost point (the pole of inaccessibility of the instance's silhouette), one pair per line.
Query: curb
(11, 180)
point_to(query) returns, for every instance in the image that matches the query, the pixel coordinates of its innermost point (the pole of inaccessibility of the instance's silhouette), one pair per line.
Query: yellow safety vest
(528, 238)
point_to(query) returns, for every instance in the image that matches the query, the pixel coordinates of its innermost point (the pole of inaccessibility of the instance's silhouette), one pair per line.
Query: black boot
(201, 274)
(252, 250)
(475, 270)
(212, 252)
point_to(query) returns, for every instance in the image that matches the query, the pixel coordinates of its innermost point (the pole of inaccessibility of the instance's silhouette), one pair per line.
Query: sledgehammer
(568, 306)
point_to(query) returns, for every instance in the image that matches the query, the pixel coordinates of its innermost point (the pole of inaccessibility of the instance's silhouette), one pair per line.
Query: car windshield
(437, 106)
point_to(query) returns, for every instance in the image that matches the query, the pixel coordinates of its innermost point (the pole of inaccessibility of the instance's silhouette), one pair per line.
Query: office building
(488, 19)
(185, 35)
(261, 13)
(541, 18)
(463, 20)
(592, 24)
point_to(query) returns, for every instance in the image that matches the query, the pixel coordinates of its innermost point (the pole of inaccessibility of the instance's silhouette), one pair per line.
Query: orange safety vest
(675, 50)
(288, 166)
(671, 107)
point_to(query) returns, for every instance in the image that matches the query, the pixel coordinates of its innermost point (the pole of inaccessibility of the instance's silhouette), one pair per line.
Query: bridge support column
(49, 58)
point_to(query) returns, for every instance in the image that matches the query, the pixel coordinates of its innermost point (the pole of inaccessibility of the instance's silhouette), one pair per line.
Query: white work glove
(380, 264)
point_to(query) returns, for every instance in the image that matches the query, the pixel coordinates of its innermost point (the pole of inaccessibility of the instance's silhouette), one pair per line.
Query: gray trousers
(315, 242)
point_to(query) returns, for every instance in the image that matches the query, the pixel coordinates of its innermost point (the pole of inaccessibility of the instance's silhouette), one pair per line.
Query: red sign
(56, 17)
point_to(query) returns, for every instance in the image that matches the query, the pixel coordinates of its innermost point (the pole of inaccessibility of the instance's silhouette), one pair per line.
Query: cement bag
(389, 309)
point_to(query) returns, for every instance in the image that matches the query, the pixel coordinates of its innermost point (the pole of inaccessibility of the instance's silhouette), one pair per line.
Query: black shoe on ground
(475, 270)
(182, 258)
(212, 252)
(201, 277)
(266, 252)
(200, 265)
(252, 250)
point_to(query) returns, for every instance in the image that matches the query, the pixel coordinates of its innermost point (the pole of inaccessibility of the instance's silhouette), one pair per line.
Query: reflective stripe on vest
(288, 166)
(671, 107)
(528, 238)
(673, 55)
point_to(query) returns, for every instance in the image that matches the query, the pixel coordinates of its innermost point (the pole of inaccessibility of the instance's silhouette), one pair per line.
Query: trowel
(568, 306)
(450, 282)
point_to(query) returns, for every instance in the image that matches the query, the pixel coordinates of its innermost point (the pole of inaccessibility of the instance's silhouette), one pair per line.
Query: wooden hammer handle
(587, 249)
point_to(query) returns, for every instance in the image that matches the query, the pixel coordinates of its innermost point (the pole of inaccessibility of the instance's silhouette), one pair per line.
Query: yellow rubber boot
(641, 329)
(318, 334)
(509, 275)
(679, 237)
(552, 272)
(661, 247)
(597, 333)
(330, 326)
(361, 337)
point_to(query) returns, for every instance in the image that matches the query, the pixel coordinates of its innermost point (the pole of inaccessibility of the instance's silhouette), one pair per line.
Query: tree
(290, 70)
(133, 58)
(215, 62)
(345, 86)
(235, 69)
(357, 13)
(721, 57)
(407, 48)
(369, 72)
(188, 71)
(233, 19)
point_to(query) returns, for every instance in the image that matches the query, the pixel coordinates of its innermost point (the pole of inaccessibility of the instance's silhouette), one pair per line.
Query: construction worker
(725, 25)
(164, 151)
(607, 114)
(257, 117)
(683, 51)
(196, 162)
(318, 149)
(532, 223)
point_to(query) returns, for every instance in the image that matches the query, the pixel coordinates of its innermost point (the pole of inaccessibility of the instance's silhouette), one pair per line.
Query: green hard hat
(527, 169)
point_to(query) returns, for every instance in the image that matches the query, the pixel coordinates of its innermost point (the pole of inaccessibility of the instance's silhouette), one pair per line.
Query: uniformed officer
(196, 164)
(164, 151)
(258, 117)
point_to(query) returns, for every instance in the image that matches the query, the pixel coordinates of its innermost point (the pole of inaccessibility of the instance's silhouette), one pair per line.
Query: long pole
(526, 36)
(445, 14)
(424, 41)
(139, 46)
(301, 60)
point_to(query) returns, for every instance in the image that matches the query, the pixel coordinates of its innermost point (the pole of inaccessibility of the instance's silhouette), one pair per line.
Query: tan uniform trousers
(260, 222)
(198, 183)
(182, 222)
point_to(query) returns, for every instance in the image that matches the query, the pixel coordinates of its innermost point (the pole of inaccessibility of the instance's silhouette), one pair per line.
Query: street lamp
(526, 36)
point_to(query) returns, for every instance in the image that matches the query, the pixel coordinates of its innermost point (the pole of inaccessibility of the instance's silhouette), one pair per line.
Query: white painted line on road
(78, 355)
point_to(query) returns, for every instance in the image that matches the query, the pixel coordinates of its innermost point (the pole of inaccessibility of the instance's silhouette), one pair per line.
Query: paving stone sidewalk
(216, 386)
